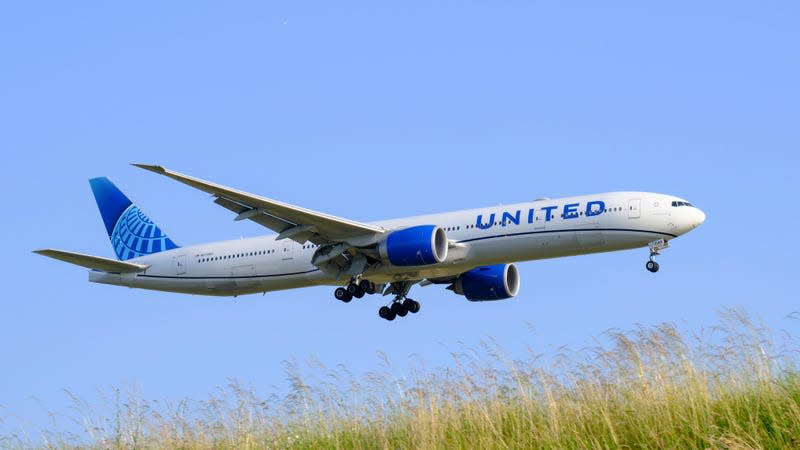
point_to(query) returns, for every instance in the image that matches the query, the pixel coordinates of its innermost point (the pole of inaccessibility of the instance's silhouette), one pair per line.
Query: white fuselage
(478, 237)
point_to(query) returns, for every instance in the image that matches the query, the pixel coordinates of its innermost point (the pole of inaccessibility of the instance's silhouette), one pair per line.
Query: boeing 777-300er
(472, 252)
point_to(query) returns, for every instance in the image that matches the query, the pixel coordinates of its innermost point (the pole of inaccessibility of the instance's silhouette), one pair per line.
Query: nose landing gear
(655, 248)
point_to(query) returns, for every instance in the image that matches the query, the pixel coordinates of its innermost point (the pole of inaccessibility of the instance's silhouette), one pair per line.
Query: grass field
(732, 387)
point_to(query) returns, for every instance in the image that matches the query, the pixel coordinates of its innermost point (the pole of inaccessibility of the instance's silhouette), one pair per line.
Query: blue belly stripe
(567, 231)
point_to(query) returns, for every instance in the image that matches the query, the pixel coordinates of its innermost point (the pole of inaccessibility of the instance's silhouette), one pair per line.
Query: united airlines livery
(472, 252)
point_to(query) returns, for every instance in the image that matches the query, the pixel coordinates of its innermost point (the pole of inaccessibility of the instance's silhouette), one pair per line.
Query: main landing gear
(655, 247)
(354, 289)
(400, 306)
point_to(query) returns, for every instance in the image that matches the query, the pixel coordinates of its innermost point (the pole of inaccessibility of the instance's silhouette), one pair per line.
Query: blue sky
(372, 111)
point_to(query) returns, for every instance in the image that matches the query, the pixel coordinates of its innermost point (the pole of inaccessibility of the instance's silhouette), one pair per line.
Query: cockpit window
(676, 204)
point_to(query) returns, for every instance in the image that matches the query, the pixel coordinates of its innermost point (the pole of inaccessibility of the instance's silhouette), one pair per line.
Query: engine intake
(487, 283)
(415, 246)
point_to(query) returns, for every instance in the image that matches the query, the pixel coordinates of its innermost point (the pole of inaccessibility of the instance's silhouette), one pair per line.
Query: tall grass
(728, 387)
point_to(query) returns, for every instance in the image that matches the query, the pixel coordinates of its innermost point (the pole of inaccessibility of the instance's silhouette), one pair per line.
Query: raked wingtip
(150, 167)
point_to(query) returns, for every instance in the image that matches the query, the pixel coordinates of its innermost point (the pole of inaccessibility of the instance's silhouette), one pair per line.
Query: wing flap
(93, 262)
(246, 212)
(284, 228)
(275, 215)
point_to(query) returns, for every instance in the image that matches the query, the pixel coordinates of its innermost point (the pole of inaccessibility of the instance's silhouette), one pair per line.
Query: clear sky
(375, 110)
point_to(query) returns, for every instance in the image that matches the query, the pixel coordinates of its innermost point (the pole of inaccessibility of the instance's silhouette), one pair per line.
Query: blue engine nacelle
(481, 284)
(415, 246)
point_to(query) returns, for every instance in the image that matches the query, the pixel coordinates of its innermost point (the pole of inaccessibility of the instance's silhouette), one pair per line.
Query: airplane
(471, 252)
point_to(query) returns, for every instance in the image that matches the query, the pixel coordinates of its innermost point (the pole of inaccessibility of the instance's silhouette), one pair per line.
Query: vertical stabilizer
(132, 233)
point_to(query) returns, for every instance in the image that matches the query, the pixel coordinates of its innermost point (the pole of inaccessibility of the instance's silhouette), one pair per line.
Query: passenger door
(634, 208)
(287, 249)
(179, 262)
(538, 219)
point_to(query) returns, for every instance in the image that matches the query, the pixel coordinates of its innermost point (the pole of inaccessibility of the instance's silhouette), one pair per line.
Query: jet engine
(415, 246)
(486, 283)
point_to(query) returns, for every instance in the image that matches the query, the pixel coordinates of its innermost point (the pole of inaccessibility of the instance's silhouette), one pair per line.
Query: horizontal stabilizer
(93, 262)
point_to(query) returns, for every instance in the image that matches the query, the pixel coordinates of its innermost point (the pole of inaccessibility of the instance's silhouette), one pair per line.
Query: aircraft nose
(698, 217)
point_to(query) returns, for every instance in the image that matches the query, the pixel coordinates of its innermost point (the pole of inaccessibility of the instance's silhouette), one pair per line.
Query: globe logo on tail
(136, 235)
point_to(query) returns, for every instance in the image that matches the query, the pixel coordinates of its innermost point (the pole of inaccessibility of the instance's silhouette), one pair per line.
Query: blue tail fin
(132, 233)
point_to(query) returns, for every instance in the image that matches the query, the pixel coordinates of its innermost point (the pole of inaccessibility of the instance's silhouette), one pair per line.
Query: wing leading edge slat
(280, 217)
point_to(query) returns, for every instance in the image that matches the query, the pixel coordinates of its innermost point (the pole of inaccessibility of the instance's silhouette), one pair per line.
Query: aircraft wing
(93, 262)
(289, 221)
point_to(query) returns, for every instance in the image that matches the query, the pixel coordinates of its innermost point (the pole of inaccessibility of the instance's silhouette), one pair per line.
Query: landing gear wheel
(367, 286)
(386, 313)
(411, 306)
(398, 309)
(401, 305)
(354, 290)
(655, 249)
(342, 294)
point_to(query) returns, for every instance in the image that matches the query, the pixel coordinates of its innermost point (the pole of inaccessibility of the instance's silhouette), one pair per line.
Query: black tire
(384, 312)
(367, 286)
(352, 288)
(342, 294)
(390, 316)
(398, 309)
(652, 266)
(359, 293)
(411, 306)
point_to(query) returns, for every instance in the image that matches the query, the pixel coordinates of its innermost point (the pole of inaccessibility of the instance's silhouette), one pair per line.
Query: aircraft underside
(471, 252)
(509, 249)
